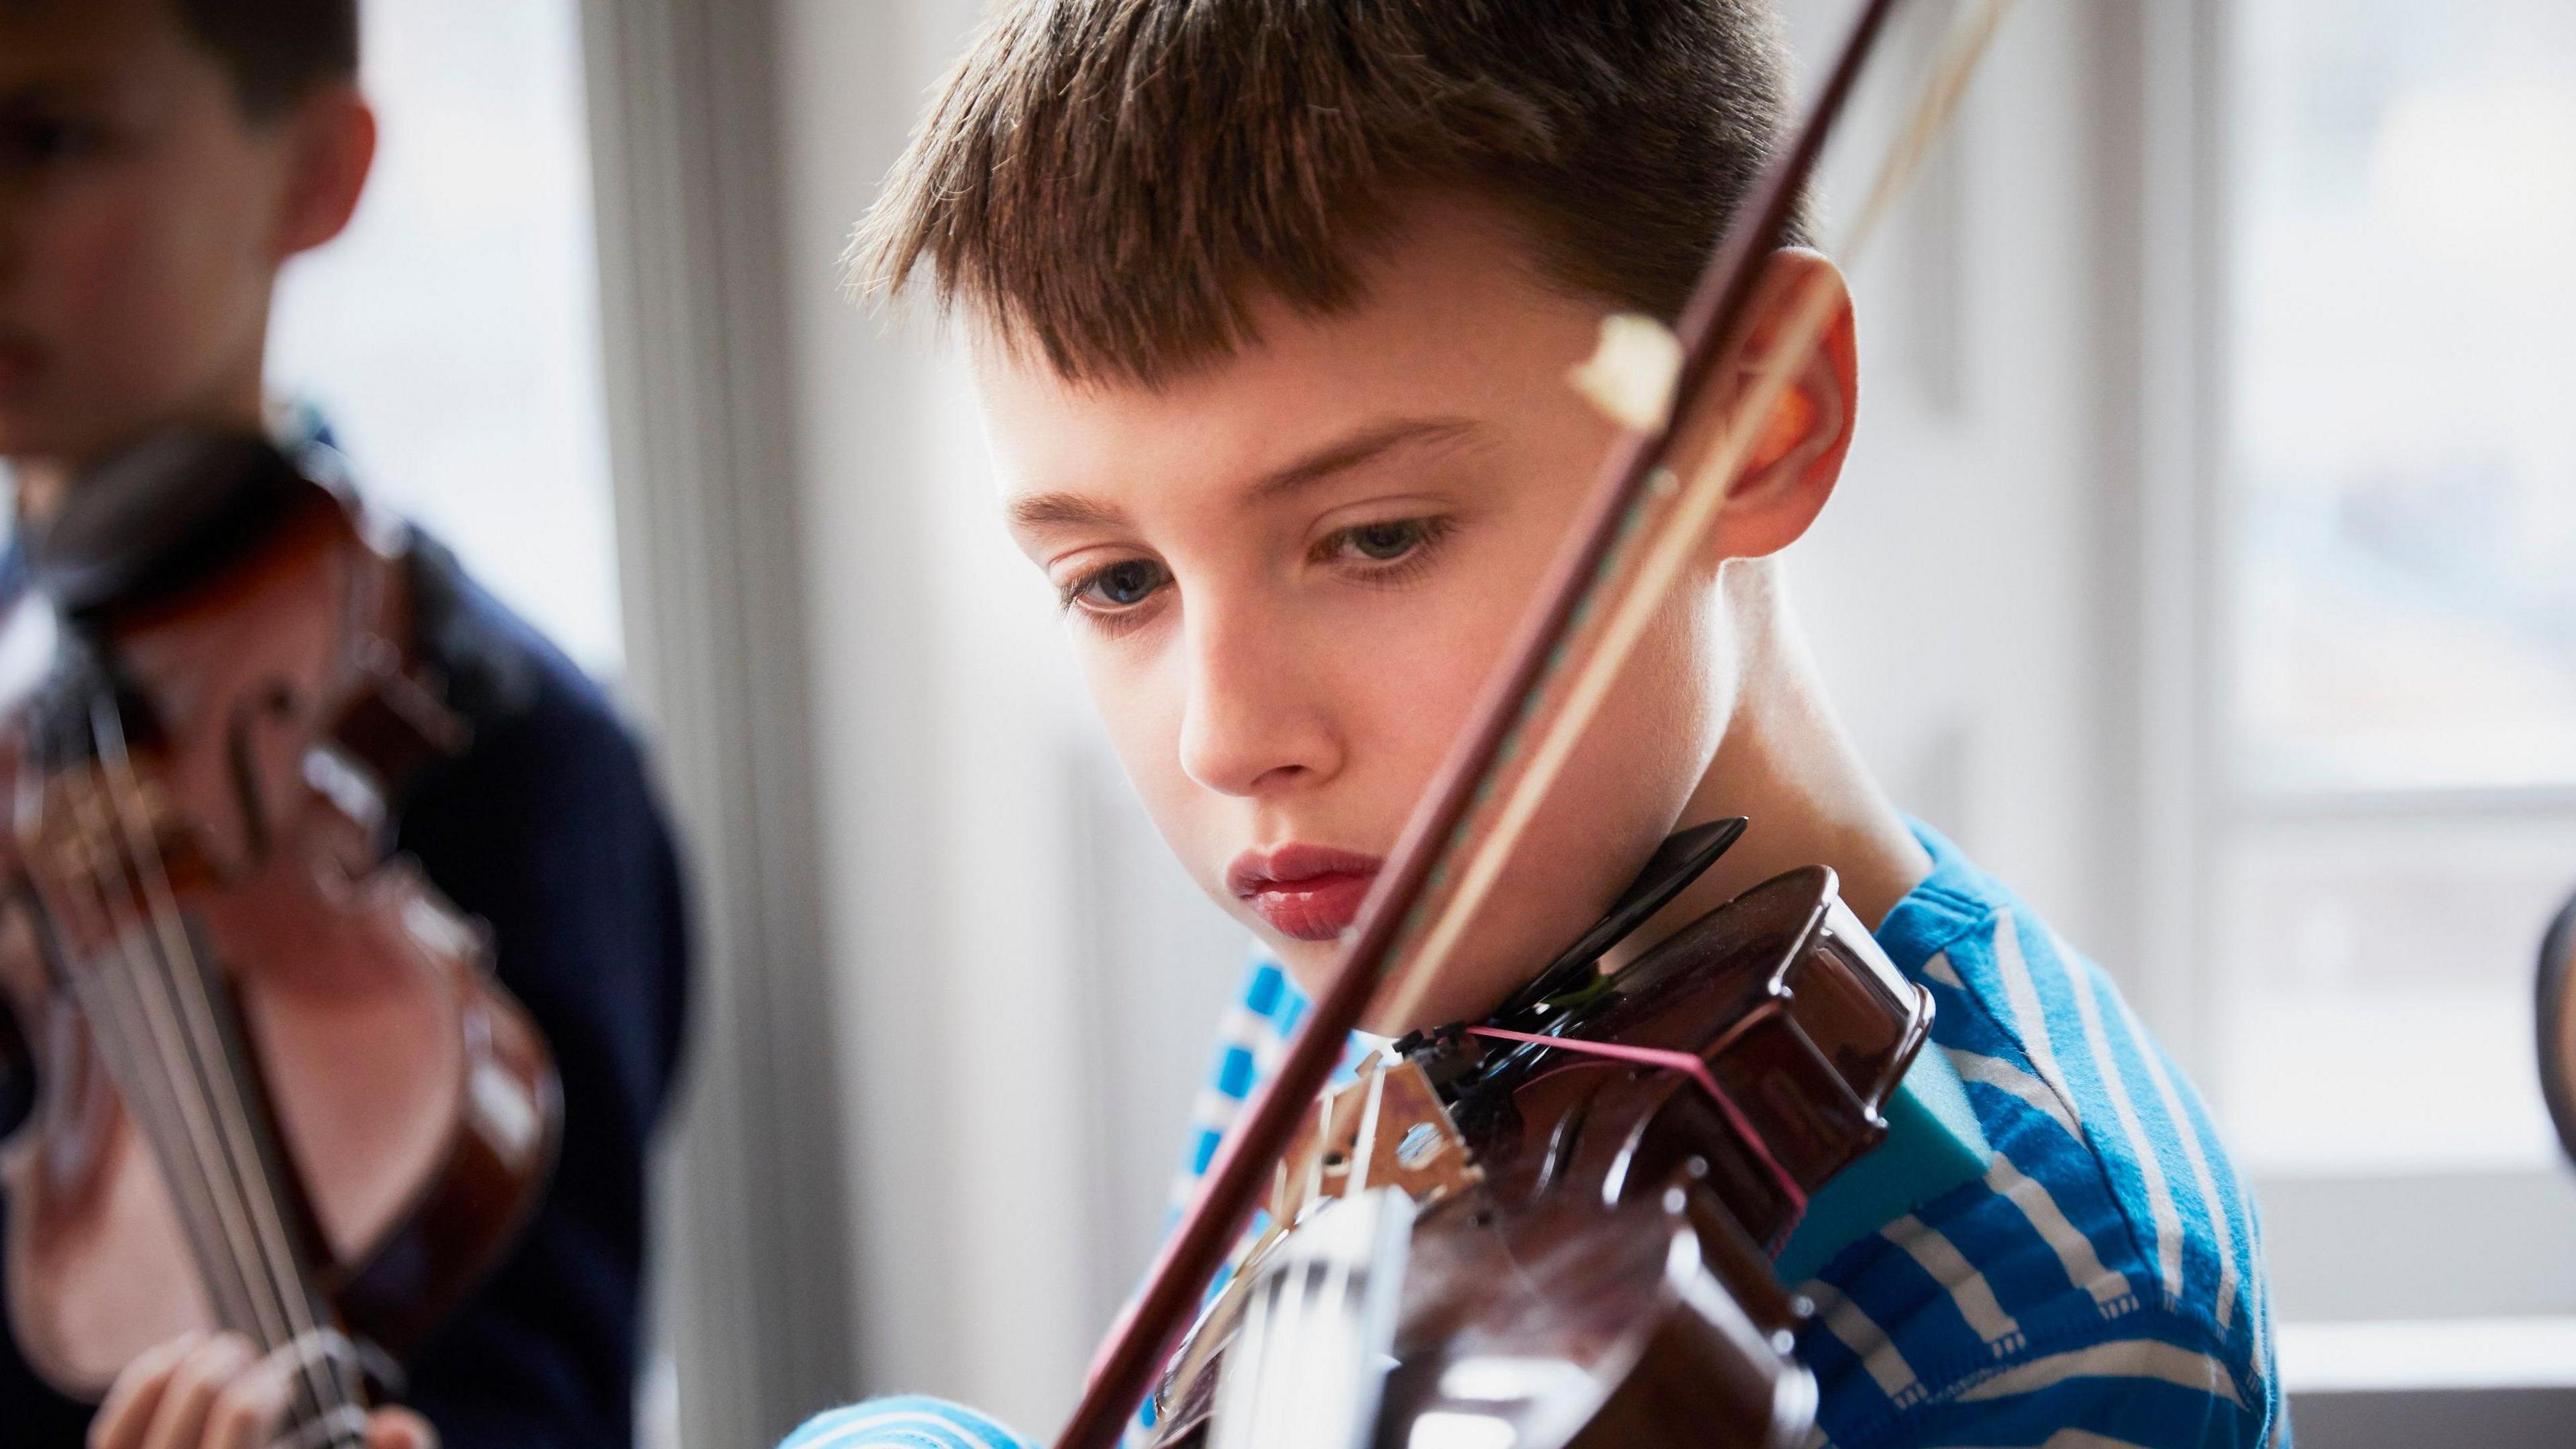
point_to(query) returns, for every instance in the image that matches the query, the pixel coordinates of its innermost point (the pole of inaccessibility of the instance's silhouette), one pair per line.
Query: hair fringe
(1118, 182)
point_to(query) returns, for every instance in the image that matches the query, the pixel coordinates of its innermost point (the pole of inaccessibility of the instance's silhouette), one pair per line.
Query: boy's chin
(1459, 997)
(1445, 1004)
(31, 433)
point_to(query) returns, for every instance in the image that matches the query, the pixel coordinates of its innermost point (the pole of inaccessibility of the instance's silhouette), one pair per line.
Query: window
(2392, 805)
(450, 337)
(2399, 725)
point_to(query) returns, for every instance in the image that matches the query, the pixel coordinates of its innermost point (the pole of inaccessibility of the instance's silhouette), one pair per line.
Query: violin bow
(1637, 530)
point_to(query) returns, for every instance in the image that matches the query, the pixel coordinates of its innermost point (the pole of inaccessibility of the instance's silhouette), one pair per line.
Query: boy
(1272, 304)
(159, 161)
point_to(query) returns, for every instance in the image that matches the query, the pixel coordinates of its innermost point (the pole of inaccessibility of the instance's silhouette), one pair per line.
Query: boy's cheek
(88, 309)
(94, 273)
(88, 262)
(1141, 713)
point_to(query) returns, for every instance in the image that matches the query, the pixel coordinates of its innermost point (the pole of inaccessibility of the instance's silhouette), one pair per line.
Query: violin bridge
(1413, 1146)
(1307, 1366)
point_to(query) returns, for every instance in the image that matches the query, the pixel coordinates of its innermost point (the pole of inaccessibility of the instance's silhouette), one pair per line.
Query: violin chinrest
(160, 515)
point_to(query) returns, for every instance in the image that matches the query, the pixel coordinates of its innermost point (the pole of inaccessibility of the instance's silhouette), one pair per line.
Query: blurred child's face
(143, 217)
(1288, 576)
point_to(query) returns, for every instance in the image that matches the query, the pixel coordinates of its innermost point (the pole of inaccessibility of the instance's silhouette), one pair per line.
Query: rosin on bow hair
(1118, 181)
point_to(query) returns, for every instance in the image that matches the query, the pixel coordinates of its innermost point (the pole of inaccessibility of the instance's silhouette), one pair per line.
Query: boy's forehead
(84, 41)
(1451, 330)
(1241, 431)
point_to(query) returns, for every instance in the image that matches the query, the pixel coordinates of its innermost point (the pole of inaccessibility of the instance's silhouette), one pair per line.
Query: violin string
(110, 1001)
(159, 1034)
(1288, 1306)
(114, 1031)
(1354, 1185)
(153, 1027)
(1337, 1279)
(1254, 1396)
(1327, 1106)
(1241, 1372)
(1690, 1065)
(1671, 549)
(268, 1319)
(1365, 1149)
(184, 975)
(205, 1057)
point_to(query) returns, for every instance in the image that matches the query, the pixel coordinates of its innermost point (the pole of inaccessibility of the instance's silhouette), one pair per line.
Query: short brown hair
(276, 51)
(1118, 180)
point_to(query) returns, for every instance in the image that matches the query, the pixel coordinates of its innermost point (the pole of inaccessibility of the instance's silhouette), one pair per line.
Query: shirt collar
(1955, 899)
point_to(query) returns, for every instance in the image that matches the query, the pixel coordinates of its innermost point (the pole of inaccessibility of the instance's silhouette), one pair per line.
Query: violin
(1506, 1234)
(281, 1093)
(1555, 1227)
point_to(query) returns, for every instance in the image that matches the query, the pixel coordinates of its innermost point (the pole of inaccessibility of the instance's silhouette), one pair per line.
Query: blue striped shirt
(2102, 1286)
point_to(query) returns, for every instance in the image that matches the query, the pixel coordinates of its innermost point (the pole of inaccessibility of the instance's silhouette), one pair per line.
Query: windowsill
(2401, 1354)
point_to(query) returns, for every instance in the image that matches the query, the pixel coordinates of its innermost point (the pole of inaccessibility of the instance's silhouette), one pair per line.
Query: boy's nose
(1248, 725)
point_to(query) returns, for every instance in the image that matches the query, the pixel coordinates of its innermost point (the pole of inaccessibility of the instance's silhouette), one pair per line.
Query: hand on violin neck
(213, 1391)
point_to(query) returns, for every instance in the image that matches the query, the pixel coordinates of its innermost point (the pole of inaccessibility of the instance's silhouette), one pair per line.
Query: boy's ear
(331, 147)
(1797, 453)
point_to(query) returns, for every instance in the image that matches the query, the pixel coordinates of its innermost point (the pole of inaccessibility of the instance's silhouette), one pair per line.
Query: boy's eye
(42, 140)
(1385, 541)
(1122, 585)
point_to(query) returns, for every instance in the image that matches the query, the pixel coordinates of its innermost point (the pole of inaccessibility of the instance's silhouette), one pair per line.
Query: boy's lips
(1307, 892)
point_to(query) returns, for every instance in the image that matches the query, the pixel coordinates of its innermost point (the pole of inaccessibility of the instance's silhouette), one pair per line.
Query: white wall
(951, 737)
(1948, 588)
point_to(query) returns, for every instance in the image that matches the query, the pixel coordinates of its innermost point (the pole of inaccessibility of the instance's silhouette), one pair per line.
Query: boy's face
(1288, 576)
(143, 217)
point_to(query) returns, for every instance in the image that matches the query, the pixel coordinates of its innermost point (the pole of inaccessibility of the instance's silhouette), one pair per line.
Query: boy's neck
(1785, 764)
(42, 481)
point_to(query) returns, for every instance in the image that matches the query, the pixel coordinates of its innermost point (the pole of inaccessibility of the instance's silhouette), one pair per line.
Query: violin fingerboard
(1307, 1368)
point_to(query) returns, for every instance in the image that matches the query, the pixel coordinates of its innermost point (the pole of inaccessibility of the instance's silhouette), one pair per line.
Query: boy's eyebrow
(1064, 510)
(1072, 510)
(1359, 448)
(1075, 511)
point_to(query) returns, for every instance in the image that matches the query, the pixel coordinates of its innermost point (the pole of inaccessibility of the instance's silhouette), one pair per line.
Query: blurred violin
(1555, 1227)
(279, 1091)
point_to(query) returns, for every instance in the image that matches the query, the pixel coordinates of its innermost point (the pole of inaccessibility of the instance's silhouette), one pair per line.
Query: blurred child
(159, 161)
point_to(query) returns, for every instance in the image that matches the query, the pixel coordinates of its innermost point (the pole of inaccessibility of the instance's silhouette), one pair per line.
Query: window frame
(2171, 122)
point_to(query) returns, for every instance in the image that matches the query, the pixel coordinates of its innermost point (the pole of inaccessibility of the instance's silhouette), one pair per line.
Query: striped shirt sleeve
(2103, 1285)
(909, 1422)
(2145, 1392)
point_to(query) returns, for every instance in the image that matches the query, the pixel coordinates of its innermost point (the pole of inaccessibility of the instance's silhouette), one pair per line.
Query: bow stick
(1463, 816)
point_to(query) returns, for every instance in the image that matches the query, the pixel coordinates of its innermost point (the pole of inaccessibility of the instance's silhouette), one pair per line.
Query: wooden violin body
(280, 1091)
(1588, 1243)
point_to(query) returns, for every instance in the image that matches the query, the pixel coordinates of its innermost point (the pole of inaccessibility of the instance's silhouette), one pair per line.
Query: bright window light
(451, 337)
(2399, 621)
(2404, 363)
